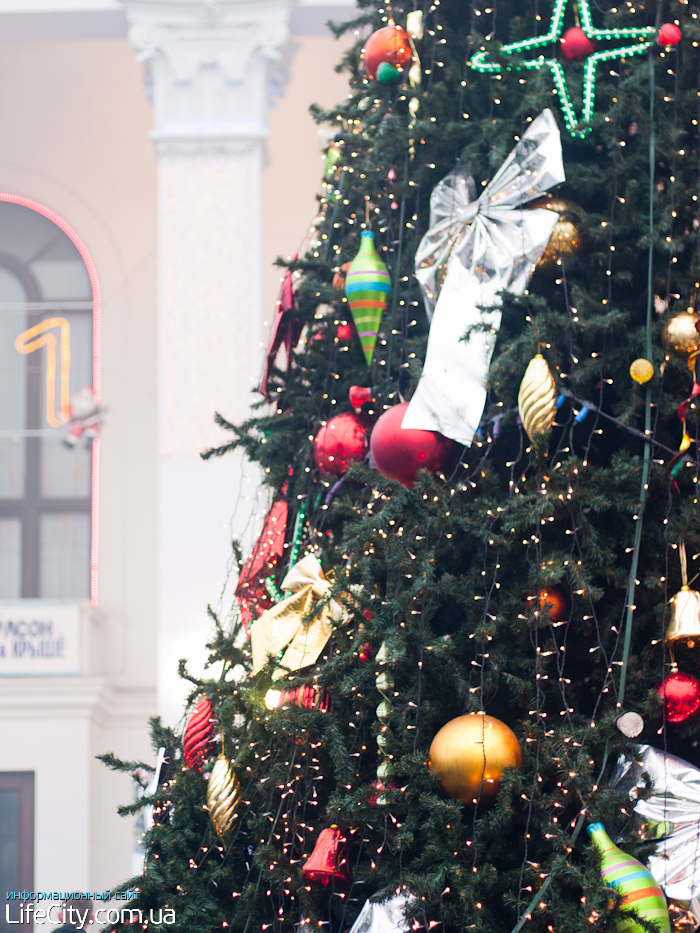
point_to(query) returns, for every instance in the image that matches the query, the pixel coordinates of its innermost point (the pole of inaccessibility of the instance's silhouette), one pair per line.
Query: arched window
(49, 390)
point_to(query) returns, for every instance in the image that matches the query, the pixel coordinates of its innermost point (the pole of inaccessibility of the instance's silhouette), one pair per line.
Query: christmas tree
(461, 638)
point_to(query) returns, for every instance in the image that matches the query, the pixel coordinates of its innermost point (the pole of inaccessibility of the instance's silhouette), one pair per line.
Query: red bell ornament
(575, 44)
(328, 863)
(681, 695)
(669, 35)
(400, 453)
(389, 44)
(339, 442)
(197, 742)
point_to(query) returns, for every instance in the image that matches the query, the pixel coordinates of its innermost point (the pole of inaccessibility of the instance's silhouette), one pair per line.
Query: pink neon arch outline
(96, 386)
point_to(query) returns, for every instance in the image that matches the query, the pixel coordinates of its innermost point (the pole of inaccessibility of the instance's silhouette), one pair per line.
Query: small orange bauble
(552, 599)
(469, 755)
(389, 44)
(339, 277)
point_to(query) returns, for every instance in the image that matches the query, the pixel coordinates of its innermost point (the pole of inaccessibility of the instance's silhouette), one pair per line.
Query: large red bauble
(342, 439)
(575, 44)
(399, 454)
(669, 35)
(388, 44)
(681, 695)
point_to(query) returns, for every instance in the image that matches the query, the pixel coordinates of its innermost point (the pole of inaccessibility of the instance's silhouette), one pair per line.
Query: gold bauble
(680, 334)
(641, 371)
(537, 399)
(469, 755)
(566, 240)
(223, 794)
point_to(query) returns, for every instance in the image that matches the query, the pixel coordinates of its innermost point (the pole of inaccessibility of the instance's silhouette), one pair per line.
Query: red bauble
(681, 696)
(389, 44)
(197, 742)
(575, 44)
(342, 439)
(554, 599)
(346, 331)
(359, 396)
(328, 863)
(366, 652)
(669, 35)
(399, 454)
(378, 789)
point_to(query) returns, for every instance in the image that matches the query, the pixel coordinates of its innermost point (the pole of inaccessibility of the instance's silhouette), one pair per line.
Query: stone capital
(212, 65)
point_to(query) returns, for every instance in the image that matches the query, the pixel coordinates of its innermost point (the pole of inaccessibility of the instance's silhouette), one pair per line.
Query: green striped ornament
(367, 286)
(633, 880)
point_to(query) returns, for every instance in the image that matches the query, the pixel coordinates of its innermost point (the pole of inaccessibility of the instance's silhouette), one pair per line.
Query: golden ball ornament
(680, 334)
(469, 755)
(641, 371)
(566, 240)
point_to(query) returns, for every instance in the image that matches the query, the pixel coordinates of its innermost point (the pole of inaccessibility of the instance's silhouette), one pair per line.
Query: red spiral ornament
(197, 741)
(310, 696)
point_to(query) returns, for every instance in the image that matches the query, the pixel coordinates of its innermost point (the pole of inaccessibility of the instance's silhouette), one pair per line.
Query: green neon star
(480, 61)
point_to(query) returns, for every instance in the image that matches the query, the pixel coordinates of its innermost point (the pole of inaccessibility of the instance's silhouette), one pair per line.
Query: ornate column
(211, 66)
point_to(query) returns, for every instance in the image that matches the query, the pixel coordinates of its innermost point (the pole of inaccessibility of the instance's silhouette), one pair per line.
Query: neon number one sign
(34, 339)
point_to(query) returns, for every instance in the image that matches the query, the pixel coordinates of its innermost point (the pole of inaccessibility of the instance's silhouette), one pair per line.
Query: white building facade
(146, 187)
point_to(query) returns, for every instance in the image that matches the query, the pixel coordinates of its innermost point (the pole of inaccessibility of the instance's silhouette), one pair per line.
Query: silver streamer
(473, 250)
(385, 917)
(671, 816)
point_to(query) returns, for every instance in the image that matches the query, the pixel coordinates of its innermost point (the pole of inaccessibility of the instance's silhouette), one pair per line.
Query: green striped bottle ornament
(633, 880)
(367, 286)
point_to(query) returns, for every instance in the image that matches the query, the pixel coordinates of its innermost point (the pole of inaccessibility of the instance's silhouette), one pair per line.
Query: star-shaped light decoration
(575, 126)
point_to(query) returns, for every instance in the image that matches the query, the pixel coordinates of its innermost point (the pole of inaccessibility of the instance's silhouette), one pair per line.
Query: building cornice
(93, 698)
(213, 64)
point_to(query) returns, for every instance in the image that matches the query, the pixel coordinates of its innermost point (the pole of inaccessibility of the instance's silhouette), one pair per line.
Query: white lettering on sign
(39, 637)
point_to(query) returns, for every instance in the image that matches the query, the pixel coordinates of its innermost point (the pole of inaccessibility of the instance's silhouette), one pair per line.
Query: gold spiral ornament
(537, 399)
(223, 794)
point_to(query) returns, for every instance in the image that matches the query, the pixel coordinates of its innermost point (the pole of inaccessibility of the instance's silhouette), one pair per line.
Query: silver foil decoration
(670, 816)
(385, 917)
(152, 788)
(473, 250)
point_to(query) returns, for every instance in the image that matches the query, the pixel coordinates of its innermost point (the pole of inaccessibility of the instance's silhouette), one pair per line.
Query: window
(48, 315)
(16, 840)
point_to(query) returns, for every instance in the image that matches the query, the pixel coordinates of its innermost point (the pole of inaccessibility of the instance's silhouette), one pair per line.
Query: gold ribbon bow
(302, 623)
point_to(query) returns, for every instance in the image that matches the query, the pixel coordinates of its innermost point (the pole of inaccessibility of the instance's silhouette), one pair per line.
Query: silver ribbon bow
(670, 815)
(473, 250)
